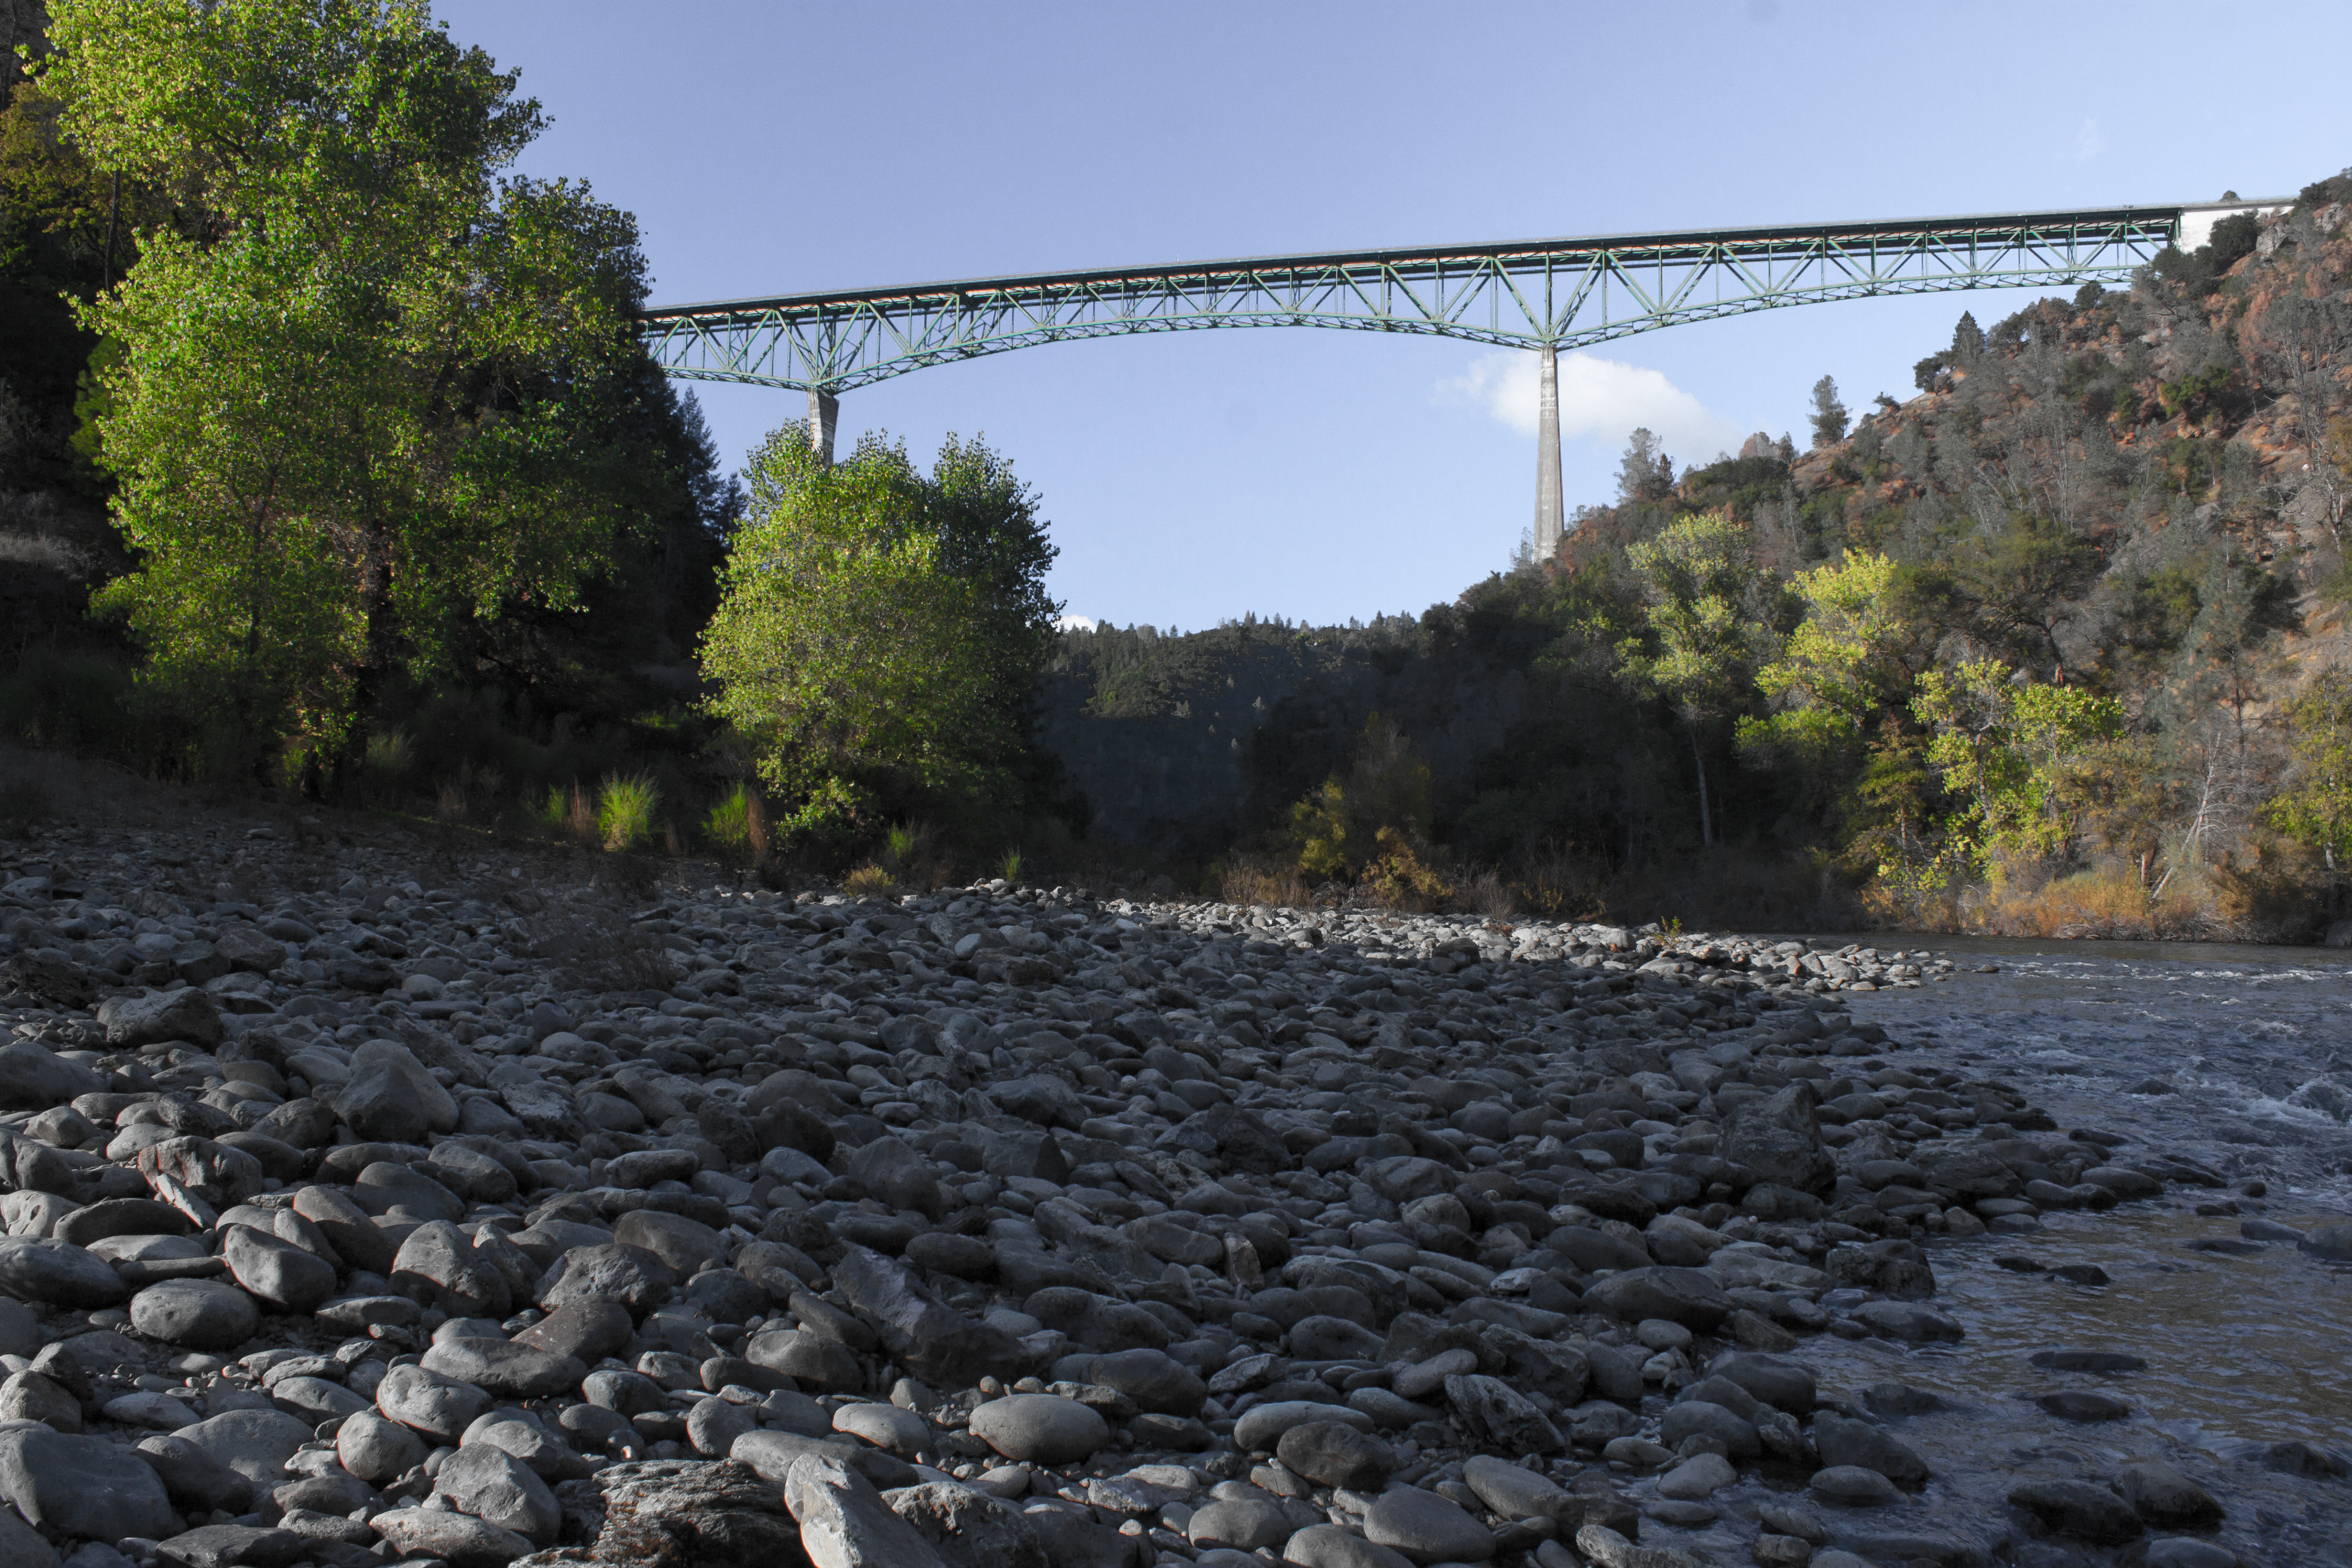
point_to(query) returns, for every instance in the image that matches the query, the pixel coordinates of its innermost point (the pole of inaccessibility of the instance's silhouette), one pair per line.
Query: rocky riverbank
(374, 1200)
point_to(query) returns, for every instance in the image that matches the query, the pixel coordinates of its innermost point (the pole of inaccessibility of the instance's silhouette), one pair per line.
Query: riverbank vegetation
(328, 465)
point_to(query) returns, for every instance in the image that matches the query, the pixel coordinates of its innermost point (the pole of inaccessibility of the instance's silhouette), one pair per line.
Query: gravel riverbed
(367, 1203)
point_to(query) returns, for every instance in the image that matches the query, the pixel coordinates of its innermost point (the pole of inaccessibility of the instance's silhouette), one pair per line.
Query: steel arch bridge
(1542, 295)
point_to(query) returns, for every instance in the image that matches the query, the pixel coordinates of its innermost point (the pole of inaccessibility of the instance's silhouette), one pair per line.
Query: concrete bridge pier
(823, 413)
(1550, 519)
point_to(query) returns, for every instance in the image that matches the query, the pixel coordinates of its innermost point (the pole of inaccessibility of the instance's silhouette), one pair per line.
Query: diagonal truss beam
(1558, 293)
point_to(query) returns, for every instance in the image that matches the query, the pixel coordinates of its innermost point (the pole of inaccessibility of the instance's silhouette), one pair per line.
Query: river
(2239, 1059)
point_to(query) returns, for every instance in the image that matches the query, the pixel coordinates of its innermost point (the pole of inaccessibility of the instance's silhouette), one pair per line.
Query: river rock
(80, 1485)
(932, 1341)
(1328, 1546)
(1498, 1419)
(1426, 1528)
(278, 1272)
(826, 1366)
(503, 1367)
(1040, 1429)
(969, 1528)
(629, 1276)
(2166, 1498)
(584, 1330)
(1779, 1140)
(1842, 1441)
(1335, 1454)
(427, 1401)
(1155, 1380)
(458, 1538)
(255, 1444)
(495, 1487)
(683, 1245)
(1513, 1490)
(57, 1273)
(377, 1449)
(1697, 1478)
(1687, 1296)
(2079, 1509)
(33, 1077)
(845, 1523)
(151, 1019)
(391, 1098)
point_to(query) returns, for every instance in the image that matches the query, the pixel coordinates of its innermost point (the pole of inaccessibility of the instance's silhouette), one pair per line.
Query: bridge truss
(1543, 295)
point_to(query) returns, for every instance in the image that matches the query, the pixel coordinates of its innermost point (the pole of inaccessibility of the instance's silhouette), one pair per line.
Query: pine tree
(1968, 340)
(1829, 414)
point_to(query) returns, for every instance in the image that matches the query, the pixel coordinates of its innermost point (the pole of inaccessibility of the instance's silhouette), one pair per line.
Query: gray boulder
(424, 1401)
(933, 1341)
(845, 1523)
(34, 1078)
(286, 1276)
(57, 1273)
(498, 1488)
(392, 1098)
(255, 1444)
(81, 1485)
(1779, 1140)
(161, 1016)
(196, 1314)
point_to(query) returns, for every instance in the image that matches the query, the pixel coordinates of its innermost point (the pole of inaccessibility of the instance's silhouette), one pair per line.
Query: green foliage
(1847, 664)
(1709, 611)
(738, 824)
(2018, 752)
(625, 803)
(2316, 806)
(370, 402)
(1010, 867)
(2201, 394)
(878, 631)
(1337, 827)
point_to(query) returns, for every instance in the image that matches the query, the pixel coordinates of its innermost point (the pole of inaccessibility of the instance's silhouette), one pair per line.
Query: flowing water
(2247, 1346)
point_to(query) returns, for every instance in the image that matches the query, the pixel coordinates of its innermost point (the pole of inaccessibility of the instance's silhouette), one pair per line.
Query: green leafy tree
(1850, 661)
(2316, 806)
(2022, 755)
(1709, 618)
(367, 403)
(1382, 803)
(877, 630)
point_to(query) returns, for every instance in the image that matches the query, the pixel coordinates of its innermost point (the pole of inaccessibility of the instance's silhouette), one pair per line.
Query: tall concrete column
(1550, 520)
(825, 413)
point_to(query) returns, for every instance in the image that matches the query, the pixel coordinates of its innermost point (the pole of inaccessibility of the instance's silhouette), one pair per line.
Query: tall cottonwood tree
(365, 403)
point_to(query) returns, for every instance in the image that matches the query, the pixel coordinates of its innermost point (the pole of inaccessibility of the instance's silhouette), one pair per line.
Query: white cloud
(1600, 400)
(2088, 142)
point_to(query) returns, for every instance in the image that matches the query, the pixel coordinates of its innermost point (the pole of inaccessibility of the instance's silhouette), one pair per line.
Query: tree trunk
(1705, 828)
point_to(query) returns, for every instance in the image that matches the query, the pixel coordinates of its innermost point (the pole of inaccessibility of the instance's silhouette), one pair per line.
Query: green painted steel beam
(1567, 293)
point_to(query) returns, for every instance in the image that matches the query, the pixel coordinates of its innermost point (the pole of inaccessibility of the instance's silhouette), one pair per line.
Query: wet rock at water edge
(2079, 1509)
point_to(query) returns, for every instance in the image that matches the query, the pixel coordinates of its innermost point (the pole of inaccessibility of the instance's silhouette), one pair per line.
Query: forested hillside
(2053, 645)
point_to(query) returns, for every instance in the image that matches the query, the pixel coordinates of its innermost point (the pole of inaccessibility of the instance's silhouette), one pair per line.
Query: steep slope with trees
(2053, 644)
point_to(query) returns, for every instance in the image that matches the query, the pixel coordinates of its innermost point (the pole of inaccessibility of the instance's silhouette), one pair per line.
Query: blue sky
(769, 148)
